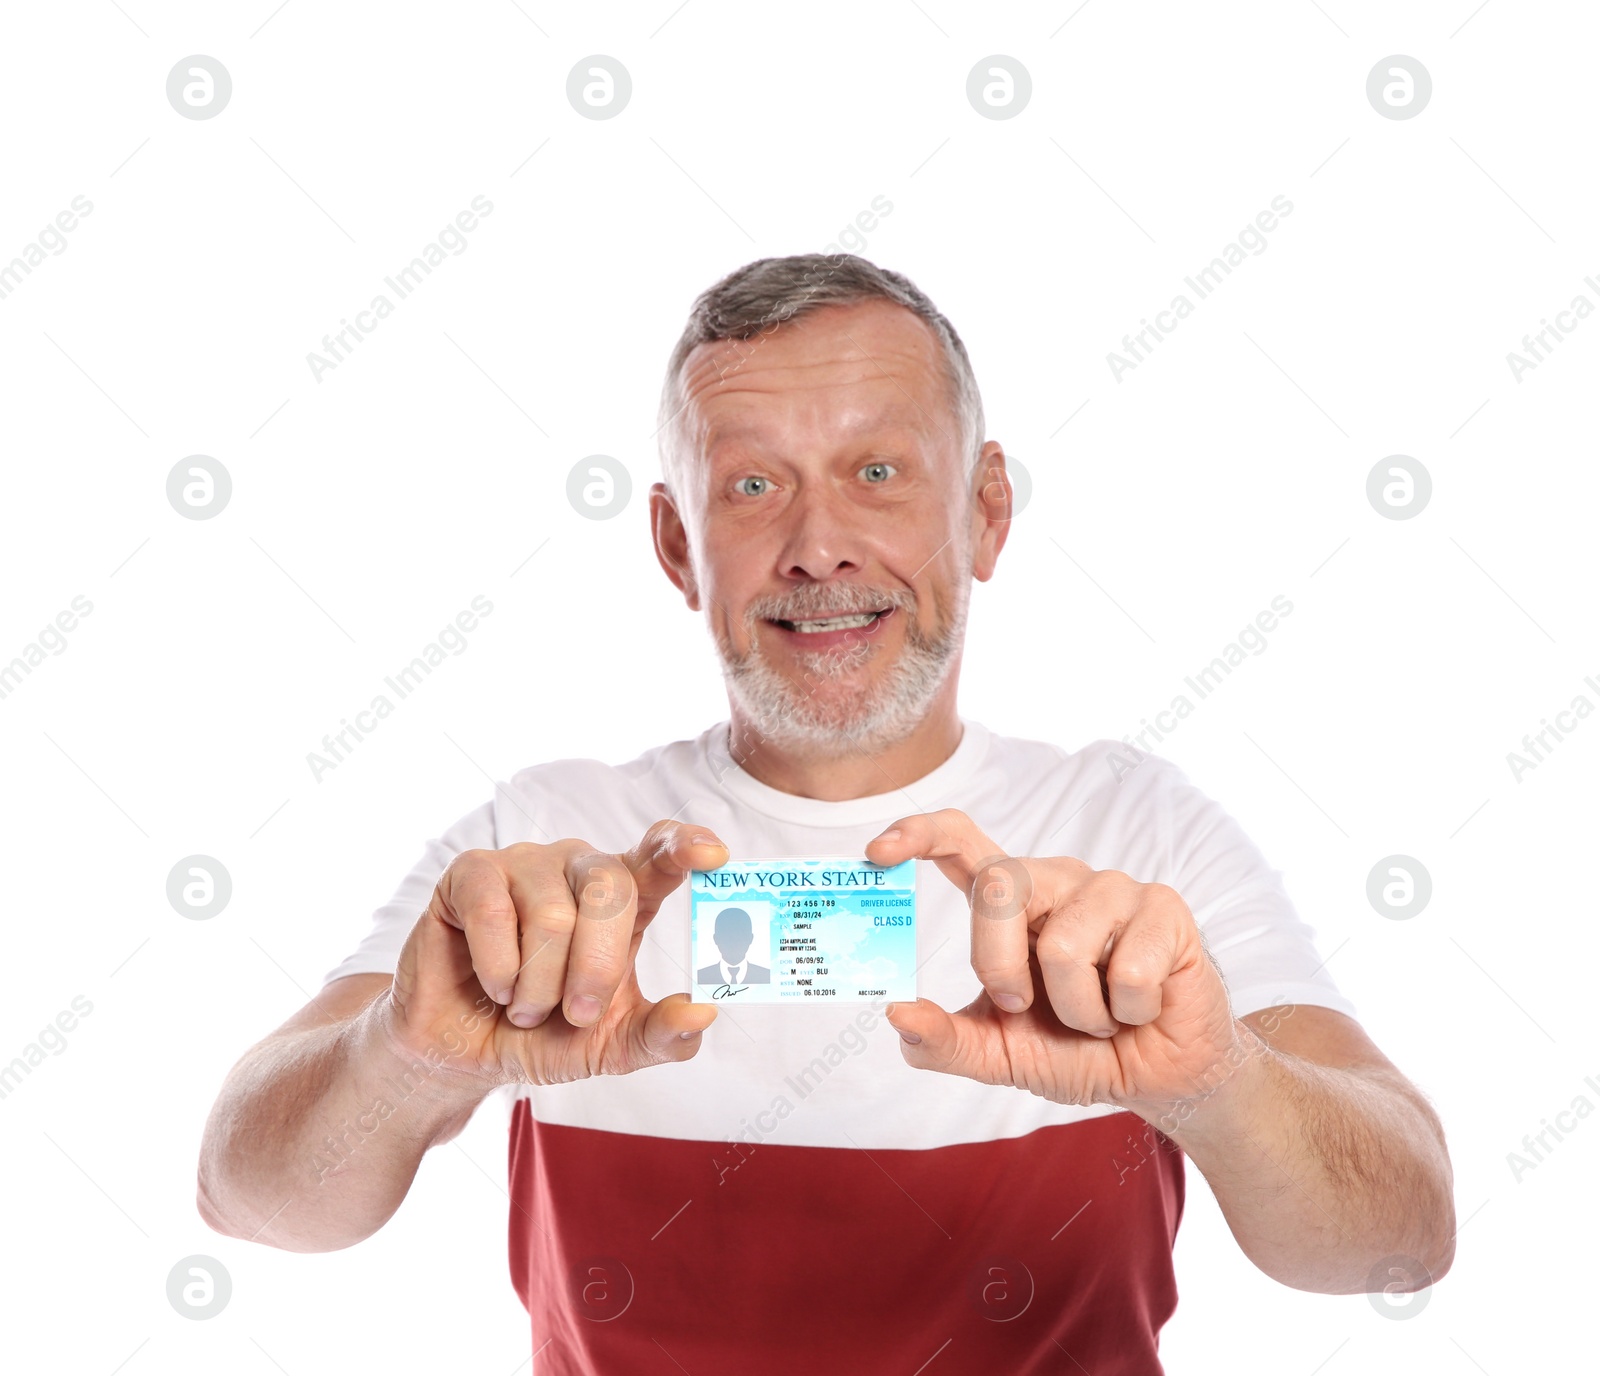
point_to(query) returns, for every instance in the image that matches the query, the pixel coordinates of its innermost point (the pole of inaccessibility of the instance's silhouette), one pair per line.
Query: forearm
(317, 1135)
(1321, 1172)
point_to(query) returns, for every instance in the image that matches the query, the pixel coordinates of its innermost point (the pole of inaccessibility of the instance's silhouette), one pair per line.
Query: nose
(822, 539)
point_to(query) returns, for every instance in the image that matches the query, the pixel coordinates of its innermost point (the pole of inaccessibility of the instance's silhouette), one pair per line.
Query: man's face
(822, 477)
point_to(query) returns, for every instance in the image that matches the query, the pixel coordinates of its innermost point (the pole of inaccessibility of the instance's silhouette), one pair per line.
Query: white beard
(830, 717)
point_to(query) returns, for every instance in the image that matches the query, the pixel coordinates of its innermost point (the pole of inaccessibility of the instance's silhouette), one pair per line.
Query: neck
(836, 775)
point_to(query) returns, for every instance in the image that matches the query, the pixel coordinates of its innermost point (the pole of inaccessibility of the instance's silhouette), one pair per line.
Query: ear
(991, 497)
(672, 544)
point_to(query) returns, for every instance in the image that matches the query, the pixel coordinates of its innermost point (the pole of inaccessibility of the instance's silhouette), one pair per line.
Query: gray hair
(761, 295)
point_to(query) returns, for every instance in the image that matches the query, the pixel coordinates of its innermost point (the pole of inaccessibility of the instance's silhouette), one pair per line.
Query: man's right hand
(522, 968)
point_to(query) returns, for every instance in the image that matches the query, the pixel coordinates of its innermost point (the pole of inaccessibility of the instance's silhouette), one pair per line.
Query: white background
(1168, 509)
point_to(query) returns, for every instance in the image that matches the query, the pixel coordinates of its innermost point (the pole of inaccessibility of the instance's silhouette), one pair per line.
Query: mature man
(790, 1189)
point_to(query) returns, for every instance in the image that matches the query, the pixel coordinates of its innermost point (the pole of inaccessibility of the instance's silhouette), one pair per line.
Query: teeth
(836, 623)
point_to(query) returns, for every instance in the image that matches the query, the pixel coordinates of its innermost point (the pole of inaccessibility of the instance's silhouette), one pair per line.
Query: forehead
(836, 371)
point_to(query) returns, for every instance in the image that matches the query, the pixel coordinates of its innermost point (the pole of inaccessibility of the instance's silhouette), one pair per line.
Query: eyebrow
(744, 434)
(739, 434)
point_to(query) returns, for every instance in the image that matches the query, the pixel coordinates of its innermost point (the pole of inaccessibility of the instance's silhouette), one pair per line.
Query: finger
(667, 852)
(953, 1044)
(665, 1031)
(601, 945)
(474, 896)
(1073, 942)
(951, 839)
(1142, 957)
(999, 889)
(1002, 889)
(435, 963)
(547, 913)
(922, 1023)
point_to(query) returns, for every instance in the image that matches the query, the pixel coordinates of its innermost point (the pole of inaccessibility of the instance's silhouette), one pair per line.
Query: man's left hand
(1096, 988)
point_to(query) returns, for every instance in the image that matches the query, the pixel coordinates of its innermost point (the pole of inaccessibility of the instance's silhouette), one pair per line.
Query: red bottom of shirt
(1050, 1252)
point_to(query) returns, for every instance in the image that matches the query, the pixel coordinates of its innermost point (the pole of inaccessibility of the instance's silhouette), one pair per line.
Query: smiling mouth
(847, 622)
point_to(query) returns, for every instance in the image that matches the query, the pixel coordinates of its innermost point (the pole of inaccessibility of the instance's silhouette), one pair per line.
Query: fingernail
(911, 1038)
(893, 834)
(1012, 1003)
(703, 840)
(522, 1016)
(684, 1036)
(585, 1008)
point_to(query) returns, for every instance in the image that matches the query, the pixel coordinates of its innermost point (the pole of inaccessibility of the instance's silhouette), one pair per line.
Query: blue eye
(741, 485)
(884, 468)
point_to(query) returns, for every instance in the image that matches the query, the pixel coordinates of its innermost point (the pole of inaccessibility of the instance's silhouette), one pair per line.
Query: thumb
(931, 1039)
(655, 1032)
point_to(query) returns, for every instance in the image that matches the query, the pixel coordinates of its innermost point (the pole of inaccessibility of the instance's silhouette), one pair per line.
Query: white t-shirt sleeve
(379, 951)
(1267, 954)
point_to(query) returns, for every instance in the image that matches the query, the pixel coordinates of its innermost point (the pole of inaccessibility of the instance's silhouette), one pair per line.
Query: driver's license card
(835, 930)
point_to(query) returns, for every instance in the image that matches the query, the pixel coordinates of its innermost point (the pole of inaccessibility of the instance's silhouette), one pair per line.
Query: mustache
(814, 601)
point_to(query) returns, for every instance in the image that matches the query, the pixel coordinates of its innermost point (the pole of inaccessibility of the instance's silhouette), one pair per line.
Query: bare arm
(1330, 1166)
(320, 1127)
(521, 971)
(1325, 1159)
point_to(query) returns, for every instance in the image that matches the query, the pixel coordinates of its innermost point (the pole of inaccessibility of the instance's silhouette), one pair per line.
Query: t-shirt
(795, 1197)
